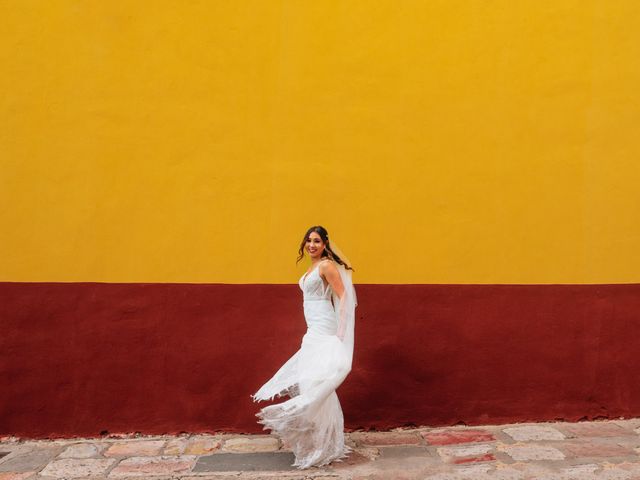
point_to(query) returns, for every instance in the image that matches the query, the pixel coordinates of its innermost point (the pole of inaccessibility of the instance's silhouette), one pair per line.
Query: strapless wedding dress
(311, 422)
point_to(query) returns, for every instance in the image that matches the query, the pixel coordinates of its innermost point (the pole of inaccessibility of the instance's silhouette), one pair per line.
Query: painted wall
(84, 359)
(441, 142)
(459, 152)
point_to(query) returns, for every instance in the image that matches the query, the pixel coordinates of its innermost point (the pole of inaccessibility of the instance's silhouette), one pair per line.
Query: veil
(344, 308)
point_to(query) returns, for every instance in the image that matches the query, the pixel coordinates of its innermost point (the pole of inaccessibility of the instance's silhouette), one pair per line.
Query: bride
(311, 421)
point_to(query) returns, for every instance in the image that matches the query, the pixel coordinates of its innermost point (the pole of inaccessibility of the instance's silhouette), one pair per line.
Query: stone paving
(544, 451)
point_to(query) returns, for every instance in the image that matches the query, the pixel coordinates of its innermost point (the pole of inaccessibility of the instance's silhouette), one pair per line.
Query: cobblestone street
(604, 450)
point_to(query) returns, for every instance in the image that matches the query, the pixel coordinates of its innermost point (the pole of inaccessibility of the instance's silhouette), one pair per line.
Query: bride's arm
(330, 272)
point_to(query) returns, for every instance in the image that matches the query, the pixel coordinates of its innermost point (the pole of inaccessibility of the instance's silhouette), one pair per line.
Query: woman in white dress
(311, 423)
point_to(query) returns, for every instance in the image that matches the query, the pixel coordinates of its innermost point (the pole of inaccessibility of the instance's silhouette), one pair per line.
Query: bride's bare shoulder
(327, 264)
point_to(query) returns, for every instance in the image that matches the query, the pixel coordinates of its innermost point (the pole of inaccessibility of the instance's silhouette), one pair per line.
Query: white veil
(345, 308)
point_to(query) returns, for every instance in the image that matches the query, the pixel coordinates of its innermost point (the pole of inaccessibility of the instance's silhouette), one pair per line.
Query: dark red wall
(85, 358)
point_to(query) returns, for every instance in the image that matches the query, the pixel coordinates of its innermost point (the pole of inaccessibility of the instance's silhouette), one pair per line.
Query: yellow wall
(438, 141)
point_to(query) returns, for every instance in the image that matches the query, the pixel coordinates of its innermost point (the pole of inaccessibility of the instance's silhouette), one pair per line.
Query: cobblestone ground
(582, 451)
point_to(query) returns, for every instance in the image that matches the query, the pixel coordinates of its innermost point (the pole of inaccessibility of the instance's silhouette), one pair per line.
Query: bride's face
(314, 245)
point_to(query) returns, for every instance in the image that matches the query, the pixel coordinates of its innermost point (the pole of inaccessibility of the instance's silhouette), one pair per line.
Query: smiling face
(314, 245)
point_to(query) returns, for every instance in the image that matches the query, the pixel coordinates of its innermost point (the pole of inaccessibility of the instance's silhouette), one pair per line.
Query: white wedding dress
(311, 422)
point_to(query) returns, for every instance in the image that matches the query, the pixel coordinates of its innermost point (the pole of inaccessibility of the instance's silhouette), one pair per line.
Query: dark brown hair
(327, 252)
